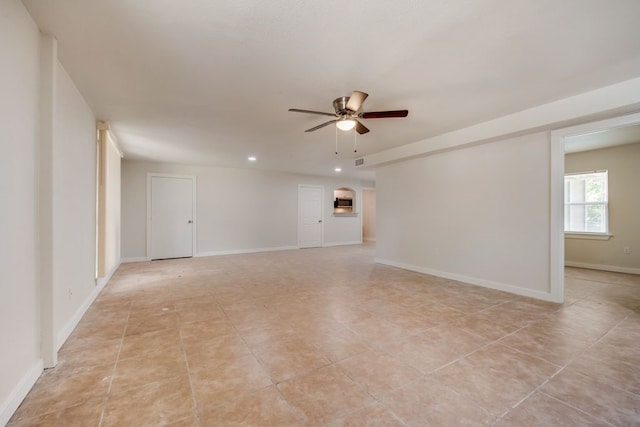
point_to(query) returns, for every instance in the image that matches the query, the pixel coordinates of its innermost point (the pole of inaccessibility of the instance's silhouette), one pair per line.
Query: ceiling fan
(347, 115)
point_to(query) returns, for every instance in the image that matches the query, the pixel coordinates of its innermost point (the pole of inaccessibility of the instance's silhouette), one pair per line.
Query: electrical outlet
(627, 250)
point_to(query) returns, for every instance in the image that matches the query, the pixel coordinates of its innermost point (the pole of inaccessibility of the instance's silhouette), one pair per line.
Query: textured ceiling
(210, 82)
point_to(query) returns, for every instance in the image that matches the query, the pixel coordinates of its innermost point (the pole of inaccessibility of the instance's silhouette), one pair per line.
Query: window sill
(588, 236)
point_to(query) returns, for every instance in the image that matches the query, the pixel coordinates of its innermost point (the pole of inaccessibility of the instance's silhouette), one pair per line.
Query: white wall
(623, 164)
(74, 203)
(47, 188)
(478, 214)
(19, 92)
(237, 209)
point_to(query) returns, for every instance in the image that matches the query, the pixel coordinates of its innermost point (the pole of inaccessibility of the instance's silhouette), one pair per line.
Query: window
(586, 203)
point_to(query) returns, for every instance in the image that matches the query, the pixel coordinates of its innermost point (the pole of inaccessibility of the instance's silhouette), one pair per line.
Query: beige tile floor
(326, 337)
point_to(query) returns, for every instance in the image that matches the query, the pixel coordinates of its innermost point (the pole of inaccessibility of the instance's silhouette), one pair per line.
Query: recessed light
(338, 169)
(252, 158)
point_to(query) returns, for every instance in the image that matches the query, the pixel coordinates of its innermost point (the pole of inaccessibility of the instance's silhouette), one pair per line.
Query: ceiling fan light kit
(346, 124)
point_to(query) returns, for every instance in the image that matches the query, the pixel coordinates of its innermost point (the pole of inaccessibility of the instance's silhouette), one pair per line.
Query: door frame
(557, 192)
(193, 178)
(322, 206)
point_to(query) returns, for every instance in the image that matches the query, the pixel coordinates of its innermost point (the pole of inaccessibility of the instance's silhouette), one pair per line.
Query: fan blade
(296, 110)
(321, 126)
(383, 114)
(360, 128)
(355, 100)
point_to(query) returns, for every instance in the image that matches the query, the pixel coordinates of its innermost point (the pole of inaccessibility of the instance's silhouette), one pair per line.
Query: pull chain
(355, 141)
(336, 139)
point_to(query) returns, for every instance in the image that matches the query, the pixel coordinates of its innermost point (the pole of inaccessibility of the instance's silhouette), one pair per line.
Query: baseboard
(71, 324)
(546, 296)
(370, 240)
(354, 242)
(102, 281)
(136, 259)
(19, 392)
(612, 268)
(245, 251)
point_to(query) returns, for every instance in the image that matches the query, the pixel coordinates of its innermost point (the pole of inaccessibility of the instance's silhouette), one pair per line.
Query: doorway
(310, 215)
(170, 216)
(558, 142)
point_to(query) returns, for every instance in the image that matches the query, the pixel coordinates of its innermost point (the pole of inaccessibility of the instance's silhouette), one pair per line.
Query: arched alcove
(344, 200)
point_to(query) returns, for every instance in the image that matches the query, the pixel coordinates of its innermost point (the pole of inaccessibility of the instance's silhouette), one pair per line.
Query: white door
(171, 217)
(310, 230)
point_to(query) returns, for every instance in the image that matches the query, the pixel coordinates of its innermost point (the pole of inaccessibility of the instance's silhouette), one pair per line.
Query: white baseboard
(546, 296)
(354, 242)
(102, 281)
(71, 324)
(612, 268)
(19, 392)
(136, 259)
(245, 251)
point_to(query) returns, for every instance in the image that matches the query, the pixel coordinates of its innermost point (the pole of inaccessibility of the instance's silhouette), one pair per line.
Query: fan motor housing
(340, 105)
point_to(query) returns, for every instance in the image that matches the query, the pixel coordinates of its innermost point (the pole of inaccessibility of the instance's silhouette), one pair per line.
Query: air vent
(360, 161)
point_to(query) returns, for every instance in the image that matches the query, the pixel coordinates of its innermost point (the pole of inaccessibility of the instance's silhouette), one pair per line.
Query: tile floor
(326, 337)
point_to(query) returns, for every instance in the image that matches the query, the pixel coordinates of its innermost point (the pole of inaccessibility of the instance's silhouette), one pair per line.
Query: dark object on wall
(343, 203)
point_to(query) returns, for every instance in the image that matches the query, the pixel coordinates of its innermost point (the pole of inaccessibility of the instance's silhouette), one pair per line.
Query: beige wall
(478, 214)
(369, 215)
(112, 204)
(623, 164)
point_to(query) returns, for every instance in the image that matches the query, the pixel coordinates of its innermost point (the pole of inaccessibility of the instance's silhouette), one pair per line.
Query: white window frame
(604, 235)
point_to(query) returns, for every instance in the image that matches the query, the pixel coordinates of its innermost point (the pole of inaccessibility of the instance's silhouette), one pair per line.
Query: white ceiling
(210, 82)
(603, 139)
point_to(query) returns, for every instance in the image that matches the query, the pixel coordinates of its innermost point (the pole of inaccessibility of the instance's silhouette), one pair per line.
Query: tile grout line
(424, 375)
(562, 368)
(274, 384)
(335, 363)
(115, 365)
(196, 408)
(578, 409)
(602, 280)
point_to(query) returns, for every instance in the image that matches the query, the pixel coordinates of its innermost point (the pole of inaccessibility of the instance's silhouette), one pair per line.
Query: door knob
(319, 220)
(189, 221)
